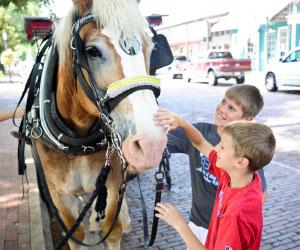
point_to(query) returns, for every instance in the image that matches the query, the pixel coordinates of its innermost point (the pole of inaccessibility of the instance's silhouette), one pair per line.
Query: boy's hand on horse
(169, 120)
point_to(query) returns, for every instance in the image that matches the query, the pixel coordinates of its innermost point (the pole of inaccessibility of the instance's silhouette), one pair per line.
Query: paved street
(196, 102)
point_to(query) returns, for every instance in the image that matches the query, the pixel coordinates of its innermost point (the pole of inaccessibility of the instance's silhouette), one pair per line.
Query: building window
(271, 45)
(298, 7)
(250, 47)
(282, 41)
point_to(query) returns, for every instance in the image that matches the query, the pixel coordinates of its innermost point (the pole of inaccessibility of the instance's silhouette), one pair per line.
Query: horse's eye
(93, 52)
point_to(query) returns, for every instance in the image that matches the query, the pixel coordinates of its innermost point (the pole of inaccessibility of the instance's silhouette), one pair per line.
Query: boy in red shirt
(236, 221)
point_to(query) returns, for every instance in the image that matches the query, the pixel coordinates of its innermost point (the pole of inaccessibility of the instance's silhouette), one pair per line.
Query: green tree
(12, 23)
(8, 57)
(22, 3)
(7, 28)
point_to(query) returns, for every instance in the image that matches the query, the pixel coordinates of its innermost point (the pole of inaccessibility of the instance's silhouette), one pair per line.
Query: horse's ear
(83, 5)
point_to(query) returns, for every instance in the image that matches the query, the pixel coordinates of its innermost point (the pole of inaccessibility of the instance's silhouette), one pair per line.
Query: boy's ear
(242, 163)
(248, 118)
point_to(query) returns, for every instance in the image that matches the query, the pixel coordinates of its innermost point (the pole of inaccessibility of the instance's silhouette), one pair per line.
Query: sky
(184, 10)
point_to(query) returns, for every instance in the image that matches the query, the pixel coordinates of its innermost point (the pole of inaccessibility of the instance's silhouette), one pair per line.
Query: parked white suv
(176, 68)
(285, 73)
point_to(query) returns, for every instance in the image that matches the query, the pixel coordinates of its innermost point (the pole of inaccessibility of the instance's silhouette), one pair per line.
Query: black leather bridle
(104, 103)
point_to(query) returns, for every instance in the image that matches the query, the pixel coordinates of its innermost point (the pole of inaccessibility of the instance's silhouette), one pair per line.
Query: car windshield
(294, 57)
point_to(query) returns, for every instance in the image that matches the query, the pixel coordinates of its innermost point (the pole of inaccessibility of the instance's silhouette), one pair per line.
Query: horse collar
(45, 118)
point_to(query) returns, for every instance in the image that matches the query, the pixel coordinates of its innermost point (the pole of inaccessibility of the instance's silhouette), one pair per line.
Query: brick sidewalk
(14, 214)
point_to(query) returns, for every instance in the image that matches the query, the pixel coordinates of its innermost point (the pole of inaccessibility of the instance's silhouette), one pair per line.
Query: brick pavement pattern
(14, 214)
(281, 212)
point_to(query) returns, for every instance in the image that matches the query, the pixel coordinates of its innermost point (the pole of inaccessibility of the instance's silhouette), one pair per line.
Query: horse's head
(115, 51)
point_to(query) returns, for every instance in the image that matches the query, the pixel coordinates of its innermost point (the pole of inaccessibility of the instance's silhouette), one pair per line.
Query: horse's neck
(73, 105)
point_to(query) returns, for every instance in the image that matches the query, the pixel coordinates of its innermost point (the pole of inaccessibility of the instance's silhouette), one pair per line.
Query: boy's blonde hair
(254, 141)
(248, 97)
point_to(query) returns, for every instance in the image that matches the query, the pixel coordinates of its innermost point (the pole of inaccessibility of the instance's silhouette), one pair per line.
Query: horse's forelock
(122, 16)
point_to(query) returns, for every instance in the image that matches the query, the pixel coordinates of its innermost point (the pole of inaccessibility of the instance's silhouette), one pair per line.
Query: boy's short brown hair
(248, 97)
(254, 141)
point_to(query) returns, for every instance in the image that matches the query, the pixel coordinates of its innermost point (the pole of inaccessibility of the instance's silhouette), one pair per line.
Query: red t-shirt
(236, 221)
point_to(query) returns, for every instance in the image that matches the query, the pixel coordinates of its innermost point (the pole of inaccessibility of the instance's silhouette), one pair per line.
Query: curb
(40, 226)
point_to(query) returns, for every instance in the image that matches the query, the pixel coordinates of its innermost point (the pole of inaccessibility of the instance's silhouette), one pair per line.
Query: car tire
(270, 82)
(240, 80)
(212, 80)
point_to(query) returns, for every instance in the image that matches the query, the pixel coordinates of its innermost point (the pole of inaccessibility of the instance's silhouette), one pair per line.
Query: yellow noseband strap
(117, 88)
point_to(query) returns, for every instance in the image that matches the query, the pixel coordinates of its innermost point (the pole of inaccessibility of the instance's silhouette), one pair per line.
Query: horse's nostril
(138, 145)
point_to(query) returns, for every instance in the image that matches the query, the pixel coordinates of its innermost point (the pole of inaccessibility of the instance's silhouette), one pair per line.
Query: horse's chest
(81, 177)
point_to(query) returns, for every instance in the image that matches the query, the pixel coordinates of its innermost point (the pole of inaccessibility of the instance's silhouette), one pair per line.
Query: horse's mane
(122, 16)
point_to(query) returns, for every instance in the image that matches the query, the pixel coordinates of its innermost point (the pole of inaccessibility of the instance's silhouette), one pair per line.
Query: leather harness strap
(69, 232)
(159, 177)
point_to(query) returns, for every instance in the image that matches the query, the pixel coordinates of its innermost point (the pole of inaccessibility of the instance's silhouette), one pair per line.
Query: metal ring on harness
(36, 132)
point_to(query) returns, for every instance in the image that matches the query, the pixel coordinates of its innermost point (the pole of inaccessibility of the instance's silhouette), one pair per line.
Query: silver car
(285, 73)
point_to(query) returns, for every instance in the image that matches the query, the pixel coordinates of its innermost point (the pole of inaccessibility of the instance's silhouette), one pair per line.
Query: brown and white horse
(71, 176)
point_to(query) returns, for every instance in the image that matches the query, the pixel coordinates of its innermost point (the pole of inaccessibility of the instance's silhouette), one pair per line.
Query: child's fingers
(160, 216)
(159, 210)
(160, 205)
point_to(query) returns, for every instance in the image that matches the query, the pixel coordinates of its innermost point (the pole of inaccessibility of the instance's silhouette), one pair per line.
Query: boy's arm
(172, 121)
(6, 115)
(196, 138)
(265, 196)
(9, 114)
(170, 215)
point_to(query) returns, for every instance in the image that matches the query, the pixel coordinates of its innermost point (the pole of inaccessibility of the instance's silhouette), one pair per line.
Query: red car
(215, 65)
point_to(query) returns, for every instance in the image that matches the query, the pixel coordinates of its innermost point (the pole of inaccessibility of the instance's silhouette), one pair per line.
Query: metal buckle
(88, 149)
(159, 176)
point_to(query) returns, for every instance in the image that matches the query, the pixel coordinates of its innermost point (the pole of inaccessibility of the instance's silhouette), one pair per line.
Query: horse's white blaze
(144, 148)
(131, 65)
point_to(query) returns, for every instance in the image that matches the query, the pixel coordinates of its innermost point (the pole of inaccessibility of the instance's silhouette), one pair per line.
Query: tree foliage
(8, 57)
(12, 23)
(22, 3)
